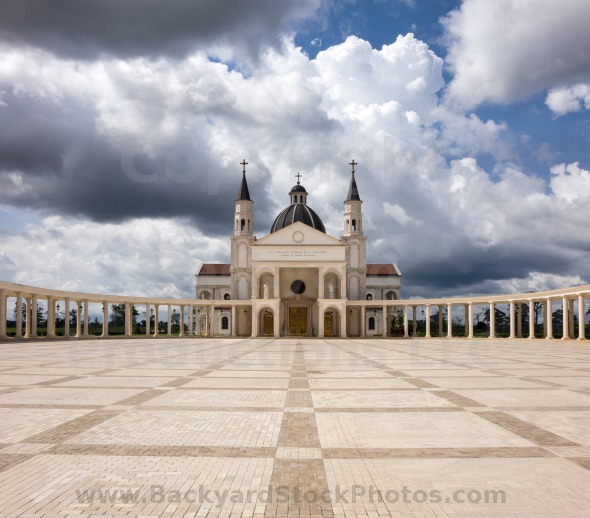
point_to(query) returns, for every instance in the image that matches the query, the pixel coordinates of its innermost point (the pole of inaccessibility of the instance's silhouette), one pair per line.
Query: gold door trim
(328, 324)
(298, 321)
(268, 323)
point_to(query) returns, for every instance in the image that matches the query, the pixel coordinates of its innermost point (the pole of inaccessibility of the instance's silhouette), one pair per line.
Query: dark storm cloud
(129, 28)
(35, 133)
(108, 183)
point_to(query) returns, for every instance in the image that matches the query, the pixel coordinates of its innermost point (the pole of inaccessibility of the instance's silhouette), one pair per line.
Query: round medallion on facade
(298, 287)
(298, 236)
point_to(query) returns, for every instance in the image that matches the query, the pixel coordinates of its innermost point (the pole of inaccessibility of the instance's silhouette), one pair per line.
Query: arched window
(226, 296)
(347, 225)
(243, 225)
(371, 323)
(390, 295)
(354, 225)
(224, 323)
(369, 296)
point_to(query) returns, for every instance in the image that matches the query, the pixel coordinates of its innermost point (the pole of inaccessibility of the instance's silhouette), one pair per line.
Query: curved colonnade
(571, 301)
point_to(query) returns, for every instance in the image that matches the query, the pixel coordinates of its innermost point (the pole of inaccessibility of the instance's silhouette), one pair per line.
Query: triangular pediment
(298, 234)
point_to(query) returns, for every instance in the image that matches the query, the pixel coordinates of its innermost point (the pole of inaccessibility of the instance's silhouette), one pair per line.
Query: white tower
(356, 243)
(241, 240)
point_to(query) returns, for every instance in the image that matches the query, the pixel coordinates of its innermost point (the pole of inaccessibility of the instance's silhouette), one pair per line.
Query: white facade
(297, 280)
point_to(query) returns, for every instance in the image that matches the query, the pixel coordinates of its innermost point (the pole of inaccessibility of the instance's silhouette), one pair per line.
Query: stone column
(549, 309)
(470, 319)
(449, 321)
(255, 316)
(105, 319)
(407, 320)
(512, 322)
(571, 313)
(169, 330)
(191, 323)
(78, 319)
(519, 321)
(415, 322)
(427, 334)
(208, 320)
(148, 315)
(363, 322)
(34, 309)
(2, 314)
(50, 317)
(86, 317)
(581, 316)
(531, 319)
(492, 320)
(233, 320)
(440, 320)
(343, 322)
(544, 319)
(181, 320)
(465, 312)
(156, 319)
(276, 284)
(276, 324)
(27, 317)
(343, 285)
(321, 282)
(384, 323)
(128, 319)
(19, 314)
(565, 319)
(67, 317)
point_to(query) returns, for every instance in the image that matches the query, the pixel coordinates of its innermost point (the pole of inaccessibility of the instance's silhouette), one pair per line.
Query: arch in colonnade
(561, 313)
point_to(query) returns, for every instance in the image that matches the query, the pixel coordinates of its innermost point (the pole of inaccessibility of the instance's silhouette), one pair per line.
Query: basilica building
(297, 280)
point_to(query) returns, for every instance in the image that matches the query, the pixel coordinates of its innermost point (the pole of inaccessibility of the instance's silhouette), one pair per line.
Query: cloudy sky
(123, 123)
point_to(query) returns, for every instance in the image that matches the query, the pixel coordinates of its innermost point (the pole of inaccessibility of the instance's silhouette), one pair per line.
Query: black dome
(298, 188)
(298, 212)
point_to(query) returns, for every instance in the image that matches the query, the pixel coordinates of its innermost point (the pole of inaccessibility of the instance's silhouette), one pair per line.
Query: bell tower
(241, 240)
(353, 215)
(356, 242)
(243, 217)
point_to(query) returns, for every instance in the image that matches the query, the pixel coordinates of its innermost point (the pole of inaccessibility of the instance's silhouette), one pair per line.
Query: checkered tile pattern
(288, 427)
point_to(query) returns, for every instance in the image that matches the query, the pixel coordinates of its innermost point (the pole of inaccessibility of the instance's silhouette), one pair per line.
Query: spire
(244, 193)
(353, 192)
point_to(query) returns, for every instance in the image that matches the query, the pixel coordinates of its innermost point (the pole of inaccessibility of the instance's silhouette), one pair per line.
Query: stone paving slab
(294, 427)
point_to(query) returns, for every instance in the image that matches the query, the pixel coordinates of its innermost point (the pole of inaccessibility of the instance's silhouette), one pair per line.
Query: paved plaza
(294, 427)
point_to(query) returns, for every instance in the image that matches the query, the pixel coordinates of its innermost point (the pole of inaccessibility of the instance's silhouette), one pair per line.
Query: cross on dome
(243, 163)
(298, 176)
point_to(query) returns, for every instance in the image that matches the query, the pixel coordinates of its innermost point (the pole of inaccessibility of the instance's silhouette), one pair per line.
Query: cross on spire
(353, 163)
(298, 176)
(243, 163)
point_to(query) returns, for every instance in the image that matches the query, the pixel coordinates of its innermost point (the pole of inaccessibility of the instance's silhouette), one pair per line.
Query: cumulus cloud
(134, 163)
(568, 99)
(505, 50)
(570, 183)
(142, 257)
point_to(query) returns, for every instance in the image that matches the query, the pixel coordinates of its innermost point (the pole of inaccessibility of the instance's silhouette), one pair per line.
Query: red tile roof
(381, 269)
(214, 269)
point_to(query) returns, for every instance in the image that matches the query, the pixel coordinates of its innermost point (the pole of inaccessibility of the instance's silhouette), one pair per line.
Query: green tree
(41, 320)
(118, 315)
(23, 311)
